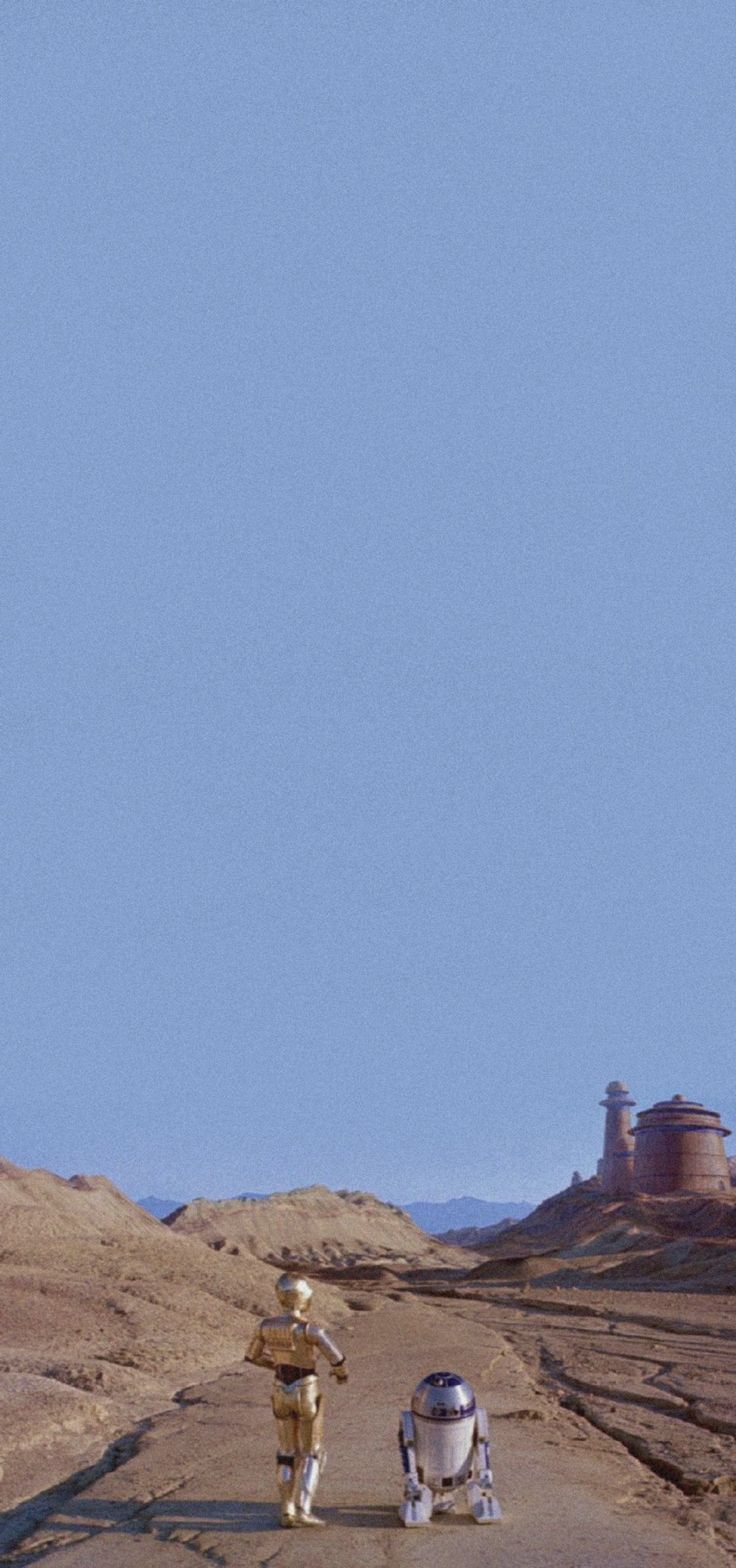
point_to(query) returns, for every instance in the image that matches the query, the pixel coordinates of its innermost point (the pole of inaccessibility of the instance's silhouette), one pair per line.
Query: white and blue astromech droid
(445, 1445)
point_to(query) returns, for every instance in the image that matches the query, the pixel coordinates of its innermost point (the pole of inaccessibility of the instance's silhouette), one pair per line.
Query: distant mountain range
(434, 1218)
(459, 1213)
(158, 1207)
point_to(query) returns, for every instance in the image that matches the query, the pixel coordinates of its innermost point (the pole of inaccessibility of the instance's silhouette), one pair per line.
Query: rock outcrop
(584, 1236)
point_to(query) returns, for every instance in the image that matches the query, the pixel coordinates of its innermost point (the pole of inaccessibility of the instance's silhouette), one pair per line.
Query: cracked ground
(613, 1448)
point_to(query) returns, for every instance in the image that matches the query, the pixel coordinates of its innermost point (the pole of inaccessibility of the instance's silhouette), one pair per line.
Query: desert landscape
(598, 1332)
(368, 783)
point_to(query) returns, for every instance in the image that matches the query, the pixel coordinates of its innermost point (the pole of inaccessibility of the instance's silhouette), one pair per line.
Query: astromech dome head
(293, 1292)
(443, 1396)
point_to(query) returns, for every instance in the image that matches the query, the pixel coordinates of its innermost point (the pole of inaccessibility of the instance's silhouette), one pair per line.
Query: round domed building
(678, 1147)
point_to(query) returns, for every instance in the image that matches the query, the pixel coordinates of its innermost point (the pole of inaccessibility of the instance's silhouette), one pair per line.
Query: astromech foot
(416, 1508)
(484, 1507)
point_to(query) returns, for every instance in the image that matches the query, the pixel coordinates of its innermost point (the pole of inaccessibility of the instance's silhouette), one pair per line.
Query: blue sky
(369, 586)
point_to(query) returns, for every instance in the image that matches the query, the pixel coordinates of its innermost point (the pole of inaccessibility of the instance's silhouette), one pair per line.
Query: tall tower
(617, 1165)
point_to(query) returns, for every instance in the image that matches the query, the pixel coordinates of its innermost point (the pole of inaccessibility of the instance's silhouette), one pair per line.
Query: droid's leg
(482, 1503)
(416, 1508)
(286, 1474)
(311, 1455)
(286, 1481)
(286, 1428)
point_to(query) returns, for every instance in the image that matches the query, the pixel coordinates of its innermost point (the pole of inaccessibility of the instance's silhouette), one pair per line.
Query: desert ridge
(38, 1204)
(315, 1228)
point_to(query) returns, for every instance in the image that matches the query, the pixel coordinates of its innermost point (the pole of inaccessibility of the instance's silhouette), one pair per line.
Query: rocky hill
(585, 1236)
(313, 1227)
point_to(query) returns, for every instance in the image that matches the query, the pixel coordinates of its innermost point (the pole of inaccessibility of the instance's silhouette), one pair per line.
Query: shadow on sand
(165, 1518)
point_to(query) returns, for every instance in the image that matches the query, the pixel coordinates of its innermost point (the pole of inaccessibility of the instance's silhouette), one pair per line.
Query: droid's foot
(304, 1517)
(285, 1480)
(483, 1506)
(416, 1508)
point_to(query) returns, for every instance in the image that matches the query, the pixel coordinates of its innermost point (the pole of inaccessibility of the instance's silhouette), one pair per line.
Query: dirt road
(199, 1482)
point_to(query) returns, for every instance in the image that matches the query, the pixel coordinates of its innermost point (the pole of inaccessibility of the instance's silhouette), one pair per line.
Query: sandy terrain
(198, 1483)
(655, 1371)
(614, 1409)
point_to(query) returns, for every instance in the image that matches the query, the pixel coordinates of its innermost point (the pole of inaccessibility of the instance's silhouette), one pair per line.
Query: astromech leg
(479, 1489)
(416, 1508)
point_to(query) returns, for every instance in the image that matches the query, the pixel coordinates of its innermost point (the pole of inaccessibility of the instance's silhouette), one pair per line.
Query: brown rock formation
(586, 1237)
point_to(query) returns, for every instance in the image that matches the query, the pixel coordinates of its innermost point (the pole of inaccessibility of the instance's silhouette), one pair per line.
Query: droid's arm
(257, 1352)
(320, 1338)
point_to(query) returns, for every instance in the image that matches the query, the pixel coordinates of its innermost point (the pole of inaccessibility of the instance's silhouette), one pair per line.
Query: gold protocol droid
(289, 1345)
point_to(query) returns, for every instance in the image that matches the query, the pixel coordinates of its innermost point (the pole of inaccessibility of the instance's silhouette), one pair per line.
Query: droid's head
(443, 1396)
(293, 1292)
